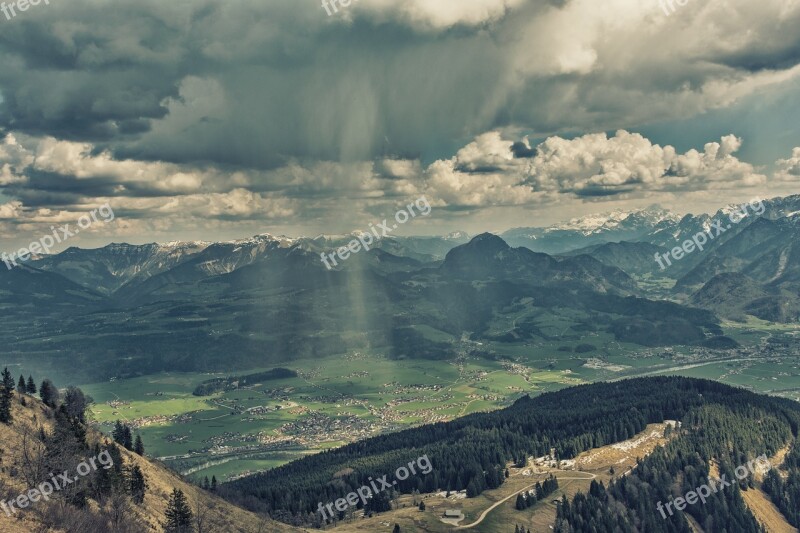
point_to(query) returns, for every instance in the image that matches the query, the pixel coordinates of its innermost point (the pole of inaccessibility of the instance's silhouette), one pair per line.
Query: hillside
(720, 423)
(24, 455)
(734, 295)
(267, 300)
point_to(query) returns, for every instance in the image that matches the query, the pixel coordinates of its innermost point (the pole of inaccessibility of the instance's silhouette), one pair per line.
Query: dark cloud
(199, 109)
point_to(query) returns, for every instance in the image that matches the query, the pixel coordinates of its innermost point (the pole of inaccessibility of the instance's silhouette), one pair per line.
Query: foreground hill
(721, 425)
(97, 502)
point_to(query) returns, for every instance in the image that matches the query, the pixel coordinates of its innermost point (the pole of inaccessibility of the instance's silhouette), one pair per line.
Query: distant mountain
(591, 230)
(422, 249)
(383, 261)
(654, 226)
(25, 290)
(734, 295)
(124, 310)
(488, 257)
(766, 250)
(213, 260)
(630, 257)
(266, 300)
(109, 268)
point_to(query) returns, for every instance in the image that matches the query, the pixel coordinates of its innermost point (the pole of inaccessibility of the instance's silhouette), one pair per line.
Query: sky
(208, 120)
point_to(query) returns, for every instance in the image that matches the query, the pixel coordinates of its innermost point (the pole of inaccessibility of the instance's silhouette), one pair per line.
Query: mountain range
(271, 297)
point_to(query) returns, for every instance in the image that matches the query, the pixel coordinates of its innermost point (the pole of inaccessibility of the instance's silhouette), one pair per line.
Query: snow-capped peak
(612, 220)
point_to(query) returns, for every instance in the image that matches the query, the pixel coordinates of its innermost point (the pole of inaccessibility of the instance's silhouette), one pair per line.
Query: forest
(471, 453)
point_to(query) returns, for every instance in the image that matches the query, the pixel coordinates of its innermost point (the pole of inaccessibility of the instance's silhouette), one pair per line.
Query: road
(529, 487)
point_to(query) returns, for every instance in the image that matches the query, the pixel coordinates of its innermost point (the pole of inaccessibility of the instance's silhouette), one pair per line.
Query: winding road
(529, 487)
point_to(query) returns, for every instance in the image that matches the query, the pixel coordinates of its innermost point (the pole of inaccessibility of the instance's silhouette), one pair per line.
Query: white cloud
(485, 173)
(788, 170)
(438, 15)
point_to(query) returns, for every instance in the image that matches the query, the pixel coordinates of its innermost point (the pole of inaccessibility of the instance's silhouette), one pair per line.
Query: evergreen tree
(137, 485)
(6, 395)
(138, 446)
(421, 506)
(213, 482)
(520, 505)
(178, 514)
(116, 458)
(48, 393)
(31, 386)
(102, 482)
(396, 528)
(122, 435)
(76, 403)
(379, 503)
(127, 437)
(205, 485)
(21, 388)
(118, 434)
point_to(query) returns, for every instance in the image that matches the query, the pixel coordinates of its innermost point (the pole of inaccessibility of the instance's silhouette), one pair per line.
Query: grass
(387, 395)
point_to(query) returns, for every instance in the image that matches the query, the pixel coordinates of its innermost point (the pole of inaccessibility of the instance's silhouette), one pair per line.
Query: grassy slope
(220, 515)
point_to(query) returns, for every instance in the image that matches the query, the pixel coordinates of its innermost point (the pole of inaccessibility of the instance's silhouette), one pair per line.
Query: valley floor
(337, 400)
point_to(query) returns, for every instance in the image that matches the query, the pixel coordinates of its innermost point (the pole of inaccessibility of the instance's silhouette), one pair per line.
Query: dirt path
(485, 513)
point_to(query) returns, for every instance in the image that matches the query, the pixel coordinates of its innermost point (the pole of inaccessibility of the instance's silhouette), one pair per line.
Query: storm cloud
(196, 112)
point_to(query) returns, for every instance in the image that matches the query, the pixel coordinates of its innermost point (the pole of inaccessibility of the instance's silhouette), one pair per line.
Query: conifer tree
(127, 437)
(179, 515)
(118, 434)
(137, 485)
(21, 388)
(6, 395)
(48, 393)
(31, 386)
(138, 445)
(520, 505)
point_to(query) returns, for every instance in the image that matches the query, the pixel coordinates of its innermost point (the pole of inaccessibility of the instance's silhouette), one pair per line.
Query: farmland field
(336, 400)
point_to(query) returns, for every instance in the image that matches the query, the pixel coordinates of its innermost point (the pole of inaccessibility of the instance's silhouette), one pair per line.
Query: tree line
(731, 432)
(786, 493)
(541, 491)
(470, 453)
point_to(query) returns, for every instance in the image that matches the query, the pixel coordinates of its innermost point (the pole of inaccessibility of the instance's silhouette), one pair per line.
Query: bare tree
(201, 516)
(118, 509)
(32, 459)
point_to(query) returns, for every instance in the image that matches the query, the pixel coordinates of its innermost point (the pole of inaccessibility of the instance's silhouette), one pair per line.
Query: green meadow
(339, 399)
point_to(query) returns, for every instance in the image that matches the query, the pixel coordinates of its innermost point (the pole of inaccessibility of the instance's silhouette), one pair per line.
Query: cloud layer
(199, 113)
